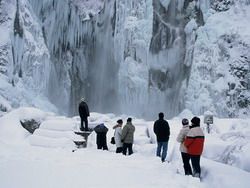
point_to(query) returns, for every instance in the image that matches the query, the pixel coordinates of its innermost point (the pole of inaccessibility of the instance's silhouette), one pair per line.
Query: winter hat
(161, 115)
(129, 120)
(185, 121)
(119, 121)
(196, 121)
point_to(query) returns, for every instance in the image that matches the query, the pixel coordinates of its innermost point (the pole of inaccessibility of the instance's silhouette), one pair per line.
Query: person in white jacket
(180, 138)
(117, 135)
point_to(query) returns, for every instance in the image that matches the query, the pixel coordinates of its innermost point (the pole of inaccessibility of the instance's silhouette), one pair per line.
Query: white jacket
(181, 137)
(118, 135)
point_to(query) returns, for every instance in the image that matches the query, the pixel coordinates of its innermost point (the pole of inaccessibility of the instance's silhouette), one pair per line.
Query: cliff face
(219, 77)
(24, 58)
(135, 57)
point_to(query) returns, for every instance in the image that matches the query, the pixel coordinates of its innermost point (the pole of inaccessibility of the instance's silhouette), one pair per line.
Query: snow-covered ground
(44, 160)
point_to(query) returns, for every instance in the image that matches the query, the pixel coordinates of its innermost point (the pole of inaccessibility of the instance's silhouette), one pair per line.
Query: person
(101, 138)
(162, 131)
(180, 138)
(128, 137)
(194, 143)
(84, 113)
(118, 135)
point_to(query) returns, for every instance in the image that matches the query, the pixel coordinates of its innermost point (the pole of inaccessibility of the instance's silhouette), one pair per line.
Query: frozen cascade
(135, 57)
(64, 36)
(24, 59)
(30, 62)
(154, 60)
(82, 54)
(130, 58)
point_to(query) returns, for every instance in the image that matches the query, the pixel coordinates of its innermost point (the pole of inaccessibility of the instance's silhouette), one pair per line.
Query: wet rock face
(160, 79)
(30, 125)
(221, 5)
(164, 30)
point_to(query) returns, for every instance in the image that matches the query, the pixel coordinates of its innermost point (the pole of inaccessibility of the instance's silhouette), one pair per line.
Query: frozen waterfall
(132, 57)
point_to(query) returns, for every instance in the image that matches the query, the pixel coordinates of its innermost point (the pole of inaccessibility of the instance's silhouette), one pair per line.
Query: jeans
(164, 147)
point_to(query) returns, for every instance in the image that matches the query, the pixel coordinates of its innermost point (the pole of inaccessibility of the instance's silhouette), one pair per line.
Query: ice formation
(135, 57)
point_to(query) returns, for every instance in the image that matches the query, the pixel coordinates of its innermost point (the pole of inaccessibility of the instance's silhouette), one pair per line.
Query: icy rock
(30, 125)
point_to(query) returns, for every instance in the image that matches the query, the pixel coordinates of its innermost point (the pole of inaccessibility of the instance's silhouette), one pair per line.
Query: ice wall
(155, 51)
(64, 36)
(219, 78)
(136, 57)
(130, 58)
(24, 58)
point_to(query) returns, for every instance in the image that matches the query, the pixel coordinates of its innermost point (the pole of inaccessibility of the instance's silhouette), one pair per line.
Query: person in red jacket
(194, 143)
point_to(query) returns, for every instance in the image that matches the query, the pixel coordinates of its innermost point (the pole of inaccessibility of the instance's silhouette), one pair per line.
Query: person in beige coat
(184, 154)
(128, 137)
(118, 135)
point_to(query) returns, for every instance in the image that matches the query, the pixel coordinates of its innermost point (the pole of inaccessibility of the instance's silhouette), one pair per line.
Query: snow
(47, 154)
(221, 48)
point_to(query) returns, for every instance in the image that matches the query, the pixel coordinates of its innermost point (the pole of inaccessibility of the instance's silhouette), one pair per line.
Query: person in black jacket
(84, 113)
(101, 138)
(162, 131)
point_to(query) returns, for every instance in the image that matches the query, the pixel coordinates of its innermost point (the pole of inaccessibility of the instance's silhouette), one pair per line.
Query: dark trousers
(127, 146)
(186, 165)
(195, 159)
(85, 120)
(119, 150)
(101, 141)
(104, 147)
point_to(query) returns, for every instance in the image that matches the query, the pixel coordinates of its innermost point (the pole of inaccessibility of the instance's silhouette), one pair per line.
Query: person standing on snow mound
(128, 137)
(162, 131)
(84, 113)
(194, 143)
(185, 156)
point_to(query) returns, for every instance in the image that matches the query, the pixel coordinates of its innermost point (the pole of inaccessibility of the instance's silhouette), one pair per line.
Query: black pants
(127, 146)
(195, 159)
(85, 120)
(104, 147)
(186, 165)
(119, 150)
(101, 141)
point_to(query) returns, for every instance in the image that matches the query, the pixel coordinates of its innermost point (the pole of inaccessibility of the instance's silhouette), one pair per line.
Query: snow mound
(60, 125)
(11, 131)
(43, 141)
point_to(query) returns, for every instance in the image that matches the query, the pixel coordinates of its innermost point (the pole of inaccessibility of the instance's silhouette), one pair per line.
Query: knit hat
(185, 121)
(196, 121)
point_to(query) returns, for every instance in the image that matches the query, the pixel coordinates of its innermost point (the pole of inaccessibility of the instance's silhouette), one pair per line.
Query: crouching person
(194, 143)
(101, 138)
(128, 137)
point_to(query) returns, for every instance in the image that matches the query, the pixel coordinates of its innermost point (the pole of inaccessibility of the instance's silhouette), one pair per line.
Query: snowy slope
(88, 167)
